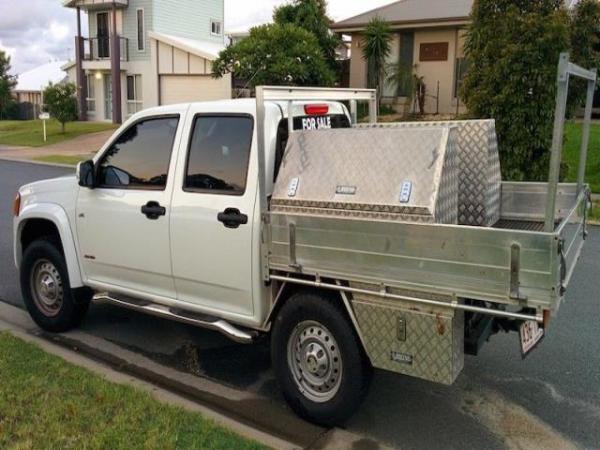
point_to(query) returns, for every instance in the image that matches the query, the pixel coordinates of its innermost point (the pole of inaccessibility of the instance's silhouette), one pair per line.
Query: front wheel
(318, 359)
(46, 291)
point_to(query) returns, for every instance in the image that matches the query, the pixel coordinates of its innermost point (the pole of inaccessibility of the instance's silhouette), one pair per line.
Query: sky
(34, 32)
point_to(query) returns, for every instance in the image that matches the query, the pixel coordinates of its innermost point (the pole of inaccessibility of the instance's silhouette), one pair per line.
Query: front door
(123, 224)
(103, 35)
(108, 97)
(212, 215)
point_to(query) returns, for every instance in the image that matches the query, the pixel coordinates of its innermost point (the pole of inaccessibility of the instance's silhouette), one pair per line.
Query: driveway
(81, 145)
(550, 400)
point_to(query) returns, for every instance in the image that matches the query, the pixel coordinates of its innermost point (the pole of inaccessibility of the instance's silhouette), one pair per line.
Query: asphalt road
(549, 400)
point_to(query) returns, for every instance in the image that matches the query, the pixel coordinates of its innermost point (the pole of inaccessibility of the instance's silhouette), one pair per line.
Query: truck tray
(513, 264)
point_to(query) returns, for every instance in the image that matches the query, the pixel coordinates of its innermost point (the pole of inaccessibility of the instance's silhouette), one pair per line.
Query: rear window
(305, 123)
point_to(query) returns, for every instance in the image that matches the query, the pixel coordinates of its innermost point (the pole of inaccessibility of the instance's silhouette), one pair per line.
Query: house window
(460, 70)
(141, 35)
(215, 27)
(90, 100)
(134, 94)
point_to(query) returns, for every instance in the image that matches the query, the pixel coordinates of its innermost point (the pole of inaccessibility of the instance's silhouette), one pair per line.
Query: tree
(585, 44)
(60, 102)
(376, 48)
(514, 46)
(7, 84)
(276, 54)
(312, 16)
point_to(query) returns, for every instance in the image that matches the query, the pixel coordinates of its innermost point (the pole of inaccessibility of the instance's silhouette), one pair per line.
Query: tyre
(46, 290)
(318, 359)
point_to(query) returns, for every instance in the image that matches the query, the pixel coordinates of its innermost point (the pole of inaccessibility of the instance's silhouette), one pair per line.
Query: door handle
(152, 210)
(232, 218)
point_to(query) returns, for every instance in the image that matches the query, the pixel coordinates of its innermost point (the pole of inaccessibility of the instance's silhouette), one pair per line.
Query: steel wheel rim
(315, 361)
(47, 288)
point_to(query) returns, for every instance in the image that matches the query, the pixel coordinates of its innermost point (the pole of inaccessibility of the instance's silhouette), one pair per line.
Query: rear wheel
(46, 291)
(318, 359)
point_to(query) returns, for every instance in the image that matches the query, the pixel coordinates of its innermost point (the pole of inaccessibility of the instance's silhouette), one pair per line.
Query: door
(212, 215)
(123, 224)
(103, 35)
(108, 97)
(193, 88)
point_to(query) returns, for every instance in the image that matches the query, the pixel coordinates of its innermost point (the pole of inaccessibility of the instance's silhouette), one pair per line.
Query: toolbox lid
(383, 173)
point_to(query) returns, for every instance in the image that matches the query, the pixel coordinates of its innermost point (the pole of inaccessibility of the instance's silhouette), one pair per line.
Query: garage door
(193, 88)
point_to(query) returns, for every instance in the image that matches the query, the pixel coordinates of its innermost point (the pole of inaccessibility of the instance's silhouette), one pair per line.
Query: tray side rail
(509, 267)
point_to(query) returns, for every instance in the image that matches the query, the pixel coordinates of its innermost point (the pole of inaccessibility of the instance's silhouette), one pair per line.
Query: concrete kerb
(73, 348)
(216, 401)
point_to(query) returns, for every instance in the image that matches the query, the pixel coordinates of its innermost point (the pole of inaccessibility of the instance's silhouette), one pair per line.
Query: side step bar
(203, 321)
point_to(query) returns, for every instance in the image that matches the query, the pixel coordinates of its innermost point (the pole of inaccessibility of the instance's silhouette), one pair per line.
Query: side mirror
(85, 174)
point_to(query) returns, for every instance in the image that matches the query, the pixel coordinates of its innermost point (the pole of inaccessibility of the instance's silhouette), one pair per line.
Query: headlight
(17, 205)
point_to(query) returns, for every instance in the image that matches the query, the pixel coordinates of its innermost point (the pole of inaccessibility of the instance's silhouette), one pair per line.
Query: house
(429, 37)
(144, 53)
(30, 84)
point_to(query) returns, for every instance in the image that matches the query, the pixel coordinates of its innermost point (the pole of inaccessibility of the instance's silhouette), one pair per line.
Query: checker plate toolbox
(414, 228)
(480, 179)
(390, 174)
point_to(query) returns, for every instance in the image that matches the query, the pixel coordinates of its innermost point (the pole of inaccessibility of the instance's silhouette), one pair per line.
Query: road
(550, 400)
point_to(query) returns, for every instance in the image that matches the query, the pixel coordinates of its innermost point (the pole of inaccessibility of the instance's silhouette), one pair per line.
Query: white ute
(345, 244)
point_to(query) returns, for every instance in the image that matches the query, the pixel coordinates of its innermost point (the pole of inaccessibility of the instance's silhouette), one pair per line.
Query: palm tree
(376, 48)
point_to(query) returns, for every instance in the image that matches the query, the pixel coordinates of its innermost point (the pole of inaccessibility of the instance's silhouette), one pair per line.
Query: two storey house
(144, 53)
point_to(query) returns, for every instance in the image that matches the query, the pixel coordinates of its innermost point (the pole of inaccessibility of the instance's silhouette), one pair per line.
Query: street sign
(43, 117)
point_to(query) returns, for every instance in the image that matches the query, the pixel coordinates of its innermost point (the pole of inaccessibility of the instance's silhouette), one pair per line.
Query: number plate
(531, 334)
(316, 123)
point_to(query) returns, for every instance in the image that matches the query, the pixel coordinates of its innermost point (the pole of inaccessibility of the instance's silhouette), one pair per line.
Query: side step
(200, 320)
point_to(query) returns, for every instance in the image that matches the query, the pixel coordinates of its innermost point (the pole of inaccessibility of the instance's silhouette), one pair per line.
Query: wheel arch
(287, 290)
(41, 220)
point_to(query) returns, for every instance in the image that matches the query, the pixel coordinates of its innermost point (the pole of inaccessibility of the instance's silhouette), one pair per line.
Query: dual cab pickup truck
(350, 247)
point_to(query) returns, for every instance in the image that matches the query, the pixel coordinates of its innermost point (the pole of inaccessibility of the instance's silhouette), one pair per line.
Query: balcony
(91, 5)
(99, 49)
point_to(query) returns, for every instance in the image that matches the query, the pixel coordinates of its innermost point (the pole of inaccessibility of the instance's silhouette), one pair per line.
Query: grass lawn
(48, 403)
(29, 133)
(571, 154)
(64, 159)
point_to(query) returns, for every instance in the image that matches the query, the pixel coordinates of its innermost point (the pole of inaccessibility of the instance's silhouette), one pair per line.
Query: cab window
(218, 154)
(139, 158)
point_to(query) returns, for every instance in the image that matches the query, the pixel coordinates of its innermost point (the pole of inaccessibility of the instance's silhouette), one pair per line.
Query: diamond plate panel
(426, 343)
(479, 168)
(360, 173)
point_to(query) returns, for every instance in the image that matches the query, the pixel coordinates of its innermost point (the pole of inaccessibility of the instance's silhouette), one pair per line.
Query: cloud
(35, 32)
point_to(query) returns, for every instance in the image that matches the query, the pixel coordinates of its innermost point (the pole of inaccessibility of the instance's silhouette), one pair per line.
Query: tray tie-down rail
(386, 294)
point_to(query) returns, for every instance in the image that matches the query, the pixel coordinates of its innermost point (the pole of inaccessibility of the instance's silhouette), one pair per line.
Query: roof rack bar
(567, 69)
(574, 69)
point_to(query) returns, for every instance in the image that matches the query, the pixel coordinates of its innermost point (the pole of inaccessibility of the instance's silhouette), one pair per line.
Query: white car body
(186, 259)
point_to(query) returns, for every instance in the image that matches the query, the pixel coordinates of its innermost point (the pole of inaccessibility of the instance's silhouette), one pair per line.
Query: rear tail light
(316, 110)
(17, 205)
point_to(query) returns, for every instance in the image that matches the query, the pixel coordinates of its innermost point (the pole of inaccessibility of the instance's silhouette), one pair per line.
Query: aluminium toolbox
(479, 184)
(397, 174)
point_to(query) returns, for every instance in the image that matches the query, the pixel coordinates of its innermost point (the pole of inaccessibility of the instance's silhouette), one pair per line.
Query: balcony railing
(99, 48)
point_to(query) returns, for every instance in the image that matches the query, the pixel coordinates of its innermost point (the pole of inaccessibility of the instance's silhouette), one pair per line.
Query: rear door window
(218, 154)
